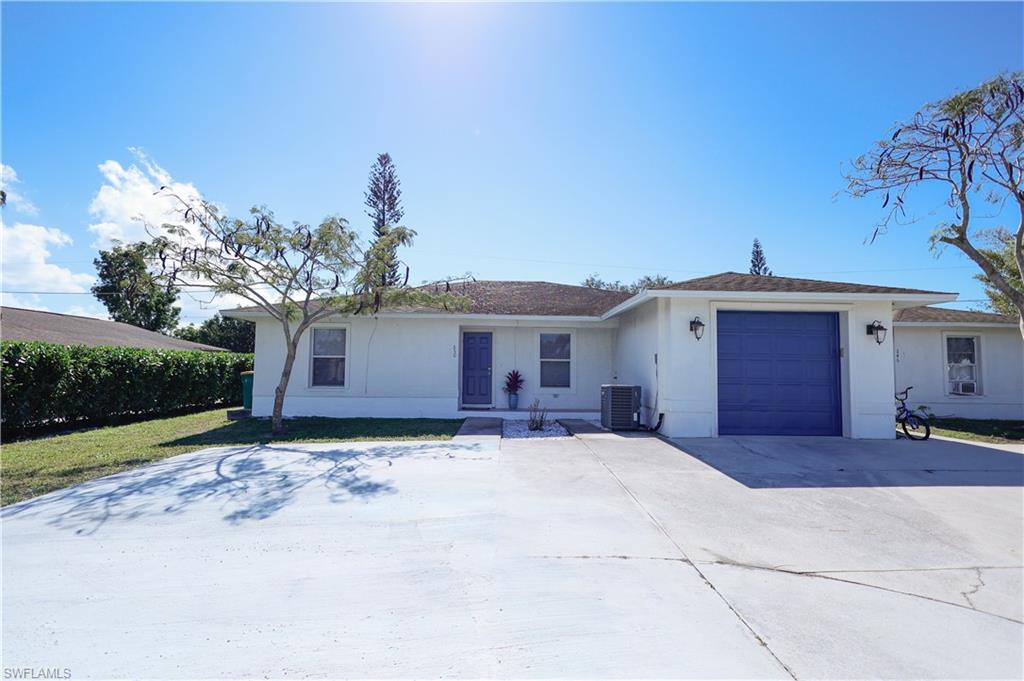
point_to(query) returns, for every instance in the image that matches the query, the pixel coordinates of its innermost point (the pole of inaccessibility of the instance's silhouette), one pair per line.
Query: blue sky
(533, 141)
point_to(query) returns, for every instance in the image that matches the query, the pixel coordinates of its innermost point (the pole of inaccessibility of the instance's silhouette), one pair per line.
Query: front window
(962, 365)
(328, 357)
(555, 360)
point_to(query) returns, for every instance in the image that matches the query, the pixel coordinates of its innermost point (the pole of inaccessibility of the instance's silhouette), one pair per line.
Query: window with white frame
(962, 365)
(328, 357)
(555, 360)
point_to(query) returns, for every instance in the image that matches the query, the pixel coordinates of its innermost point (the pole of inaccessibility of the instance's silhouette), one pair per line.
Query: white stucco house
(725, 354)
(961, 363)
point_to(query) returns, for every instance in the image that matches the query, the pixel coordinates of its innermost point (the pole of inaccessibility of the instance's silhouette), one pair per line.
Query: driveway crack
(822, 575)
(973, 589)
(685, 558)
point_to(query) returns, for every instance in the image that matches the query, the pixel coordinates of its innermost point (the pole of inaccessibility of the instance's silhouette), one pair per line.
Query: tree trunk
(1018, 256)
(277, 420)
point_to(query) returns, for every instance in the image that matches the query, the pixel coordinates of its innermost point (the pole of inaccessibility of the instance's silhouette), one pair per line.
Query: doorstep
(476, 427)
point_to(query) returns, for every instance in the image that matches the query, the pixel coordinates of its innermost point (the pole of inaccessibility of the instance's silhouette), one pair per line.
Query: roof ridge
(681, 285)
(60, 314)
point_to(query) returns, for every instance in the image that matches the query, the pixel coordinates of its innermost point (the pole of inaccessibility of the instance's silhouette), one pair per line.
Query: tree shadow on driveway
(244, 483)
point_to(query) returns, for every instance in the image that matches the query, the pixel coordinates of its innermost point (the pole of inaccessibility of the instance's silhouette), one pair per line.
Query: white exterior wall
(688, 368)
(397, 368)
(637, 355)
(869, 403)
(410, 367)
(518, 347)
(921, 362)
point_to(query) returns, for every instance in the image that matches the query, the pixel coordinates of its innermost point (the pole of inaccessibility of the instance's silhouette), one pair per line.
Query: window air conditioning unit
(965, 388)
(620, 407)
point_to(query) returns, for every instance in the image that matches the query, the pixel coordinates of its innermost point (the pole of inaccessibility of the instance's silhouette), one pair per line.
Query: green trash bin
(247, 389)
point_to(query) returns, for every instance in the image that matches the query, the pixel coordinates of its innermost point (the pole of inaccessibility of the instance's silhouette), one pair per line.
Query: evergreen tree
(1003, 259)
(131, 293)
(236, 335)
(758, 263)
(384, 207)
(642, 284)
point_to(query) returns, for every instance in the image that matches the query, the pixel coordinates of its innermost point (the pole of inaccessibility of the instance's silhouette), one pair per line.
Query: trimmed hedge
(45, 384)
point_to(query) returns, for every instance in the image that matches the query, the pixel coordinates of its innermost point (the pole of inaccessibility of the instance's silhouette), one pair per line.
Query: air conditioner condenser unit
(620, 407)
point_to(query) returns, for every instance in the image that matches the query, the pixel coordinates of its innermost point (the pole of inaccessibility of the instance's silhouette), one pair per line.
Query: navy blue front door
(778, 373)
(476, 368)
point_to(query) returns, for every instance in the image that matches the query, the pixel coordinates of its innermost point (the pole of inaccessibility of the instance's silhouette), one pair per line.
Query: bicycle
(915, 424)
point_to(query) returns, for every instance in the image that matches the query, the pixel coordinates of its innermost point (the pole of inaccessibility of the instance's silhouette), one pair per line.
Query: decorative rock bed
(520, 429)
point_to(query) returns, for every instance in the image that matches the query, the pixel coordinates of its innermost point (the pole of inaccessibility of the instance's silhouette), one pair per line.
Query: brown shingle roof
(542, 298)
(942, 315)
(536, 298)
(734, 281)
(521, 298)
(17, 324)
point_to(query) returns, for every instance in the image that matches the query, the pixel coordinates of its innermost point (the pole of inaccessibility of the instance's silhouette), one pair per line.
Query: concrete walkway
(581, 427)
(479, 427)
(601, 556)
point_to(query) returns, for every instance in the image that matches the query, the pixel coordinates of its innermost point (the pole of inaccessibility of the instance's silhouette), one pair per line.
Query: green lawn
(980, 430)
(33, 467)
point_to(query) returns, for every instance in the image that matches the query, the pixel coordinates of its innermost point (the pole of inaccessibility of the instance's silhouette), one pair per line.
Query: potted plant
(513, 384)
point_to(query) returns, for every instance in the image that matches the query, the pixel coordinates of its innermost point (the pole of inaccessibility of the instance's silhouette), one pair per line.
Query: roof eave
(253, 315)
(958, 325)
(243, 313)
(899, 300)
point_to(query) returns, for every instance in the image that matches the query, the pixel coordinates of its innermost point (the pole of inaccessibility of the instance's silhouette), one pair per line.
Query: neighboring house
(776, 355)
(961, 363)
(17, 324)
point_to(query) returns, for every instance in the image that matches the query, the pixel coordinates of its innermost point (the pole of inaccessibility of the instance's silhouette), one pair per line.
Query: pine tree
(384, 206)
(758, 263)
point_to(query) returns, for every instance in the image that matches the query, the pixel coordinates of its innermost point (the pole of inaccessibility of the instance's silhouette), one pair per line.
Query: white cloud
(24, 266)
(24, 302)
(130, 198)
(15, 199)
(25, 251)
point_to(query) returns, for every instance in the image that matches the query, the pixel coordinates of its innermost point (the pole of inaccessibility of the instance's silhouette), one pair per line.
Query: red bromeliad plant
(513, 382)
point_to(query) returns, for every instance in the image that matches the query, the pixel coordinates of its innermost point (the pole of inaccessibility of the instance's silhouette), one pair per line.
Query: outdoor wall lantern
(697, 326)
(876, 329)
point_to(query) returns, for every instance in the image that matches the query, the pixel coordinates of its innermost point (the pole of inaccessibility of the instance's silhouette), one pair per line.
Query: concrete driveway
(600, 556)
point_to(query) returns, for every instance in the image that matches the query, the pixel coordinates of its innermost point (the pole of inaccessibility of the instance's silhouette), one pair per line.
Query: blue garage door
(778, 373)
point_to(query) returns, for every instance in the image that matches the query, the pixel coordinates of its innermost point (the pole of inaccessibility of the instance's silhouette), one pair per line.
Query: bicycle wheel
(916, 428)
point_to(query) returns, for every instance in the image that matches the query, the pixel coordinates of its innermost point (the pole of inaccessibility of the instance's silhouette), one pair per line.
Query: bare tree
(972, 146)
(297, 274)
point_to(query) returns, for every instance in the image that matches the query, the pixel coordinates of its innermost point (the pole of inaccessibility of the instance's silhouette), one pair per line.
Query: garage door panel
(758, 392)
(789, 370)
(820, 367)
(754, 369)
(778, 373)
(821, 394)
(731, 344)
